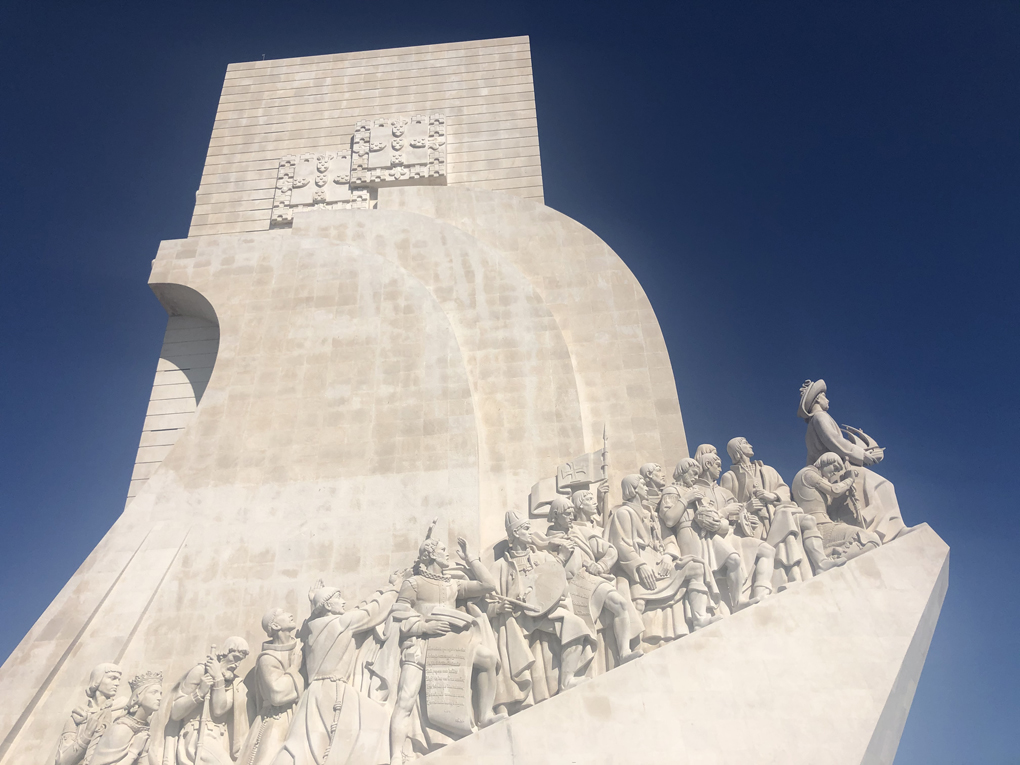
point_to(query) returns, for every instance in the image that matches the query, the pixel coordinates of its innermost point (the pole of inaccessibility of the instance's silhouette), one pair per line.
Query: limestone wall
(272, 108)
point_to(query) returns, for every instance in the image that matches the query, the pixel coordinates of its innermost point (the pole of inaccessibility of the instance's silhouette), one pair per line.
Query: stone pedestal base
(821, 674)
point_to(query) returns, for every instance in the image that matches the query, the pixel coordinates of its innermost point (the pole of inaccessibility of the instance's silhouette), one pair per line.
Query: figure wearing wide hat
(873, 504)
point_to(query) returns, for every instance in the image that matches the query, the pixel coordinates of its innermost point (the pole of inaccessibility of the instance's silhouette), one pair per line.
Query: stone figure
(278, 684)
(205, 719)
(441, 649)
(665, 586)
(544, 647)
(815, 487)
(335, 721)
(695, 512)
(742, 534)
(765, 496)
(89, 721)
(873, 498)
(127, 740)
(590, 583)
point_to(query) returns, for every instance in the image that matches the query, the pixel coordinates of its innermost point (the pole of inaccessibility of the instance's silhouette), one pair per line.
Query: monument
(382, 347)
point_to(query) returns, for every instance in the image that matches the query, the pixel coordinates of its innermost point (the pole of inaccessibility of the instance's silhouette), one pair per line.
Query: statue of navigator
(878, 509)
(544, 647)
(444, 647)
(592, 588)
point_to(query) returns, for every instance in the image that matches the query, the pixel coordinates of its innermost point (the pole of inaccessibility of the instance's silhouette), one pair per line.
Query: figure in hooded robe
(334, 720)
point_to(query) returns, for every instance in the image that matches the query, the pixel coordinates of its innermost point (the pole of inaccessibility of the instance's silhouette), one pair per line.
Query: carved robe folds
(881, 509)
(530, 645)
(780, 527)
(123, 736)
(588, 592)
(359, 725)
(637, 542)
(177, 724)
(278, 685)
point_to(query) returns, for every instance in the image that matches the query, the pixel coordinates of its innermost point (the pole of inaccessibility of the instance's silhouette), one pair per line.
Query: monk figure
(278, 684)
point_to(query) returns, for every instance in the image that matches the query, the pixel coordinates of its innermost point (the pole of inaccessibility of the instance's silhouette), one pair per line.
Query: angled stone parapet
(822, 674)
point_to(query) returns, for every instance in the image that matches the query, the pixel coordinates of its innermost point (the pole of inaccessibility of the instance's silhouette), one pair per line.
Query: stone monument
(383, 346)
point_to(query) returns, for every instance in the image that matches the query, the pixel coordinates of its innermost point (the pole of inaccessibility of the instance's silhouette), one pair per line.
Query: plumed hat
(514, 520)
(809, 393)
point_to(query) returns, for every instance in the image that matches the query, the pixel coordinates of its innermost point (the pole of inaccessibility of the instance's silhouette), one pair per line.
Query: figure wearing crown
(126, 741)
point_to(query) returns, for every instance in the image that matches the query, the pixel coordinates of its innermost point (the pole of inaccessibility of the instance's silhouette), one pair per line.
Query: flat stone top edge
(248, 66)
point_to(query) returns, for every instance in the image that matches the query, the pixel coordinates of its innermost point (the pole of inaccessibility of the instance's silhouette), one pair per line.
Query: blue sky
(832, 190)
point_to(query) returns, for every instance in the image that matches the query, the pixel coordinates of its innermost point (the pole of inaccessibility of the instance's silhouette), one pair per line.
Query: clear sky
(805, 189)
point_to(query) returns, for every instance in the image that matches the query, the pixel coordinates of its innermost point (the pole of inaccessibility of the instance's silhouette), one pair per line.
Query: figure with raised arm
(873, 499)
(128, 738)
(89, 721)
(334, 721)
(448, 656)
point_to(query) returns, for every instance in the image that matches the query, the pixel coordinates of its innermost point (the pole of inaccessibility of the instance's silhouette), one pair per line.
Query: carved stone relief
(393, 151)
(448, 647)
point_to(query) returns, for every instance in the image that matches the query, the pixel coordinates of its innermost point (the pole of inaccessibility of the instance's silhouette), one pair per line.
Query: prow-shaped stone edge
(822, 673)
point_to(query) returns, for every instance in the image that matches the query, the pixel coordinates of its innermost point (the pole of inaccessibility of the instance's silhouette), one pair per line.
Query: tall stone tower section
(373, 321)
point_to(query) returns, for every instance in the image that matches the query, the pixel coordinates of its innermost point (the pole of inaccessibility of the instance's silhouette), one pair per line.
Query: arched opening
(186, 362)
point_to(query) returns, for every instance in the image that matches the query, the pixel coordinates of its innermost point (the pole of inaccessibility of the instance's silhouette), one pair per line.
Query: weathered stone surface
(821, 674)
